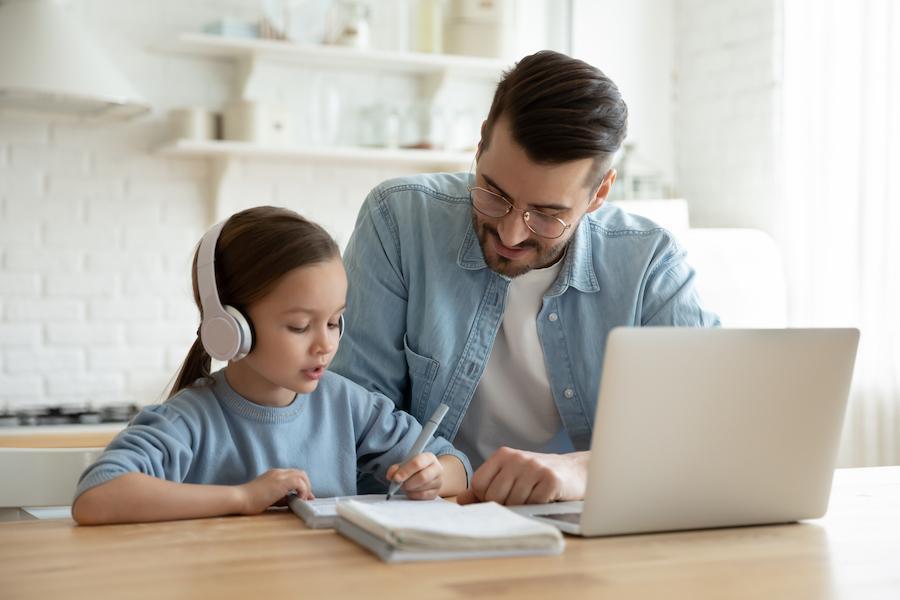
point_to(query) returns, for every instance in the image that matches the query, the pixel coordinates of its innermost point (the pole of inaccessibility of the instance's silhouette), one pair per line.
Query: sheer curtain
(840, 225)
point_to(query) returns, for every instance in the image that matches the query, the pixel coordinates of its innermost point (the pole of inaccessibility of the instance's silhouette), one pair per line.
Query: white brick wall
(97, 232)
(632, 43)
(726, 119)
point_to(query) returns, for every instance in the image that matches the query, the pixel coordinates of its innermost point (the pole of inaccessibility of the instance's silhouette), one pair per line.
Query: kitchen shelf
(370, 156)
(319, 55)
(437, 75)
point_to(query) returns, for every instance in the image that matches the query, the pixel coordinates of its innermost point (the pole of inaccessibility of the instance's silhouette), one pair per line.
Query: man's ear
(602, 191)
(481, 139)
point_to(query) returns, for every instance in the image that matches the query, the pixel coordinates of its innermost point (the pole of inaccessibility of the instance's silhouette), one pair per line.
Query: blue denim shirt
(424, 308)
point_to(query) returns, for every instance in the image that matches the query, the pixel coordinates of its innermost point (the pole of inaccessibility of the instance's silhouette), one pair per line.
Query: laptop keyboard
(574, 518)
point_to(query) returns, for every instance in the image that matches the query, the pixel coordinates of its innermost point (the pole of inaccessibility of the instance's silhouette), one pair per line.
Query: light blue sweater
(212, 435)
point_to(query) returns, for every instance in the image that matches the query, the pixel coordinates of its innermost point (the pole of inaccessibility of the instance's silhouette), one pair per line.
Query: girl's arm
(136, 497)
(387, 434)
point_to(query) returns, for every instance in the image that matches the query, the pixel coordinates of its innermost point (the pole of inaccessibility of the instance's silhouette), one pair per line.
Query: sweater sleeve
(386, 434)
(157, 442)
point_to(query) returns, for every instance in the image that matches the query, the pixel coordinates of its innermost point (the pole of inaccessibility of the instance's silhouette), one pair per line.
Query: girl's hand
(272, 487)
(421, 476)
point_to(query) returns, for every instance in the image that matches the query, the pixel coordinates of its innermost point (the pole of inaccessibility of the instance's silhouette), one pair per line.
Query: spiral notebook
(440, 530)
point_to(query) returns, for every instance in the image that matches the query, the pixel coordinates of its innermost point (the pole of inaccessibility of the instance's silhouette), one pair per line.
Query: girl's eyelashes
(333, 322)
(305, 328)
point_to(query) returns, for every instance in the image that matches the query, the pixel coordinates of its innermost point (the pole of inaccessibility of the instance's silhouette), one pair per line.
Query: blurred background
(764, 133)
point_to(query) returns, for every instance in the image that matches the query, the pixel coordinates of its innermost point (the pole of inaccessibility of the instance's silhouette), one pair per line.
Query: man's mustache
(521, 246)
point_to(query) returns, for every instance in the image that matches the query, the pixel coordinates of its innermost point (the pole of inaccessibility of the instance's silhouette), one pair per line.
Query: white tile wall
(97, 232)
(726, 114)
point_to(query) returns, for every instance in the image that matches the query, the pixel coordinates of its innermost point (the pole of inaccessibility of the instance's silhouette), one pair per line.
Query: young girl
(274, 421)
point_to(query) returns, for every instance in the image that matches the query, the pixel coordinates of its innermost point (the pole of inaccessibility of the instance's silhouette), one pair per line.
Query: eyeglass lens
(492, 205)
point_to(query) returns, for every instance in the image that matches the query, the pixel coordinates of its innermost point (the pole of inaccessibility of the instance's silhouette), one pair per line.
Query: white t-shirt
(513, 405)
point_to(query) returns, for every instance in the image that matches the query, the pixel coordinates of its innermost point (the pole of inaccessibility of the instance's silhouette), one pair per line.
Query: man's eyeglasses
(494, 205)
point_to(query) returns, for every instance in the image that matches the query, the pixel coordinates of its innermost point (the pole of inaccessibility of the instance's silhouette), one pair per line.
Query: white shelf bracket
(223, 171)
(432, 85)
(246, 76)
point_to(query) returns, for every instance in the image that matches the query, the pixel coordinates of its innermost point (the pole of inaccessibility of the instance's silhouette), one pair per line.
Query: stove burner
(69, 415)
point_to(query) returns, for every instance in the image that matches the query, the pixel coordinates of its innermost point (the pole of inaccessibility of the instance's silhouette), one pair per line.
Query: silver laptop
(699, 428)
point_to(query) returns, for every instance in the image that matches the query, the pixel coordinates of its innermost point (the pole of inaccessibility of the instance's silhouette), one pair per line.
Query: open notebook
(438, 530)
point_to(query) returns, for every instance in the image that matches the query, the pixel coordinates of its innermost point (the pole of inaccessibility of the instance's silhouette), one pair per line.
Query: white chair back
(740, 276)
(42, 476)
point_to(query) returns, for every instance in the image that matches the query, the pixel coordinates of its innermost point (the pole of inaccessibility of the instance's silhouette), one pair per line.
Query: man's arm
(670, 295)
(371, 352)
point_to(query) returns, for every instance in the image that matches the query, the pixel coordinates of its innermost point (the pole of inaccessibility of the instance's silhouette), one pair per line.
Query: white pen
(424, 436)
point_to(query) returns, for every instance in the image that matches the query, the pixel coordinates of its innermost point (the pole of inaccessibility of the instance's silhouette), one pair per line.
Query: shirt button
(553, 317)
(569, 393)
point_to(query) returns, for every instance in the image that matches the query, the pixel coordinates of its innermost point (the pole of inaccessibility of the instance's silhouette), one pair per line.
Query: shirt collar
(578, 266)
(470, 256)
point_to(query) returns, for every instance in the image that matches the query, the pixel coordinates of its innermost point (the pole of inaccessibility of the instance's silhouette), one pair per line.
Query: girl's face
(296, 335)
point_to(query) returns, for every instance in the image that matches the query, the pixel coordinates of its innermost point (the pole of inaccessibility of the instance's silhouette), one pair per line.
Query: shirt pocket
(422, 373)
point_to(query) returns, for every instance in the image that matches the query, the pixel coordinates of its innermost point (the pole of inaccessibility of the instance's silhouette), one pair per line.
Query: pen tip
(388, 497)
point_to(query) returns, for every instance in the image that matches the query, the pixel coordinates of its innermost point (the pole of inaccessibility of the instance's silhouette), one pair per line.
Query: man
(494, 291)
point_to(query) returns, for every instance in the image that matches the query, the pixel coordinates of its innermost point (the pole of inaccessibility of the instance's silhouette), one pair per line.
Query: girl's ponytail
(196, 365)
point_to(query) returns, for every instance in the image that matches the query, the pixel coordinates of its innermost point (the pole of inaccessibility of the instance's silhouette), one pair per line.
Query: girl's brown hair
(256, 247)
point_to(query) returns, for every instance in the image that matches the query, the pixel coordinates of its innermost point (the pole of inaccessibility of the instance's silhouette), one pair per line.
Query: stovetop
(69, 415)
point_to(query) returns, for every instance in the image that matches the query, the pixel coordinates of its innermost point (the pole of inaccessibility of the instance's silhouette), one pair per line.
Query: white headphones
(225, 332)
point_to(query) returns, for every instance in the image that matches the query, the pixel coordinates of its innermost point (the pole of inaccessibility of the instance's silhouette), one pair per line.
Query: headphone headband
(206, 271)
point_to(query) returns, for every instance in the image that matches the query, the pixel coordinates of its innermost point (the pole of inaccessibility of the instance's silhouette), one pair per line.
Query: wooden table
(854, 552)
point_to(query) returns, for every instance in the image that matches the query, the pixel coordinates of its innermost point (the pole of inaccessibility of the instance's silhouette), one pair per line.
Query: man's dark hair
(560, 109)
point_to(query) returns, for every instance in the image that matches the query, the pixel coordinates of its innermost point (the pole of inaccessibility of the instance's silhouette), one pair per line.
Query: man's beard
(508, 267)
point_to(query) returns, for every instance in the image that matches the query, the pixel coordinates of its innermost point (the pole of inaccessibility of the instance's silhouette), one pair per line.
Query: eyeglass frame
(525, 212)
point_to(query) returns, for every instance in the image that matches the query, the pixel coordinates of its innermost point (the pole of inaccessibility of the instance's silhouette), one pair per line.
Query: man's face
(559, 190)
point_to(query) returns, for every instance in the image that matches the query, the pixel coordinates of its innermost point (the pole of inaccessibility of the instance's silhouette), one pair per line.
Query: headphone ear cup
(245, 332)
(220, 335)
(340, 327)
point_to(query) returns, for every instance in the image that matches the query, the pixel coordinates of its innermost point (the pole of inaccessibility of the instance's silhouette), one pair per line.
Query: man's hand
(513, 477)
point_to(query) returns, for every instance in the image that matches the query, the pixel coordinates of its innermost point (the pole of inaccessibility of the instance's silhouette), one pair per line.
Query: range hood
(50, 65)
